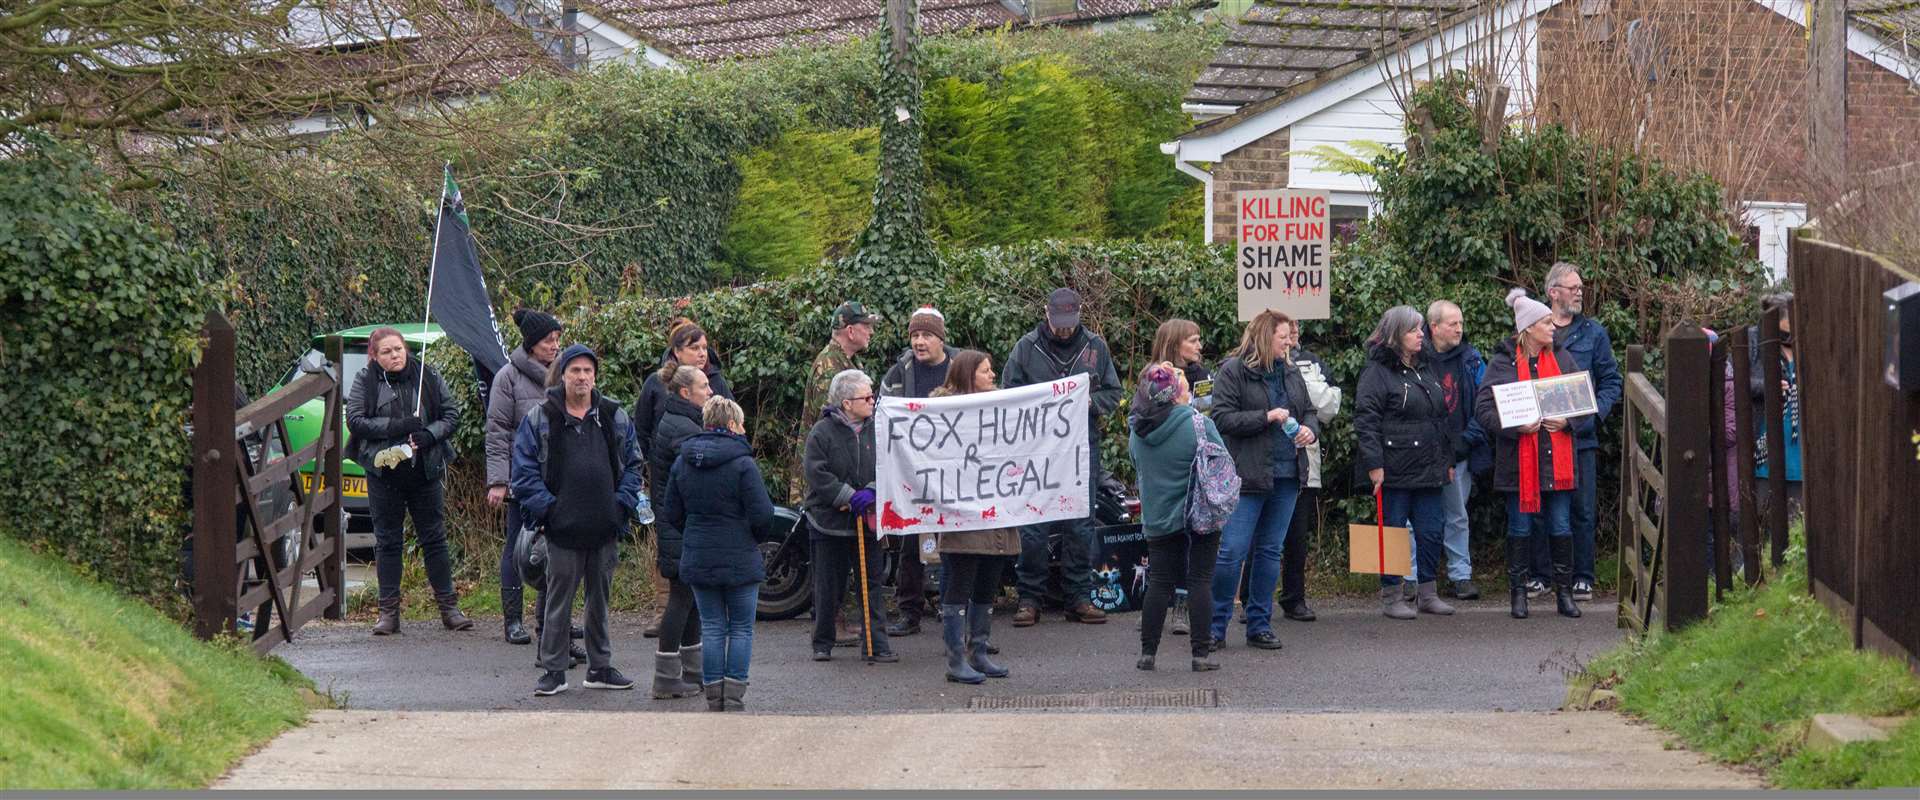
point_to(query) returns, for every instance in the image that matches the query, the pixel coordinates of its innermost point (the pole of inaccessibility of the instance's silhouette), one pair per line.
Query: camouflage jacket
(830, 362)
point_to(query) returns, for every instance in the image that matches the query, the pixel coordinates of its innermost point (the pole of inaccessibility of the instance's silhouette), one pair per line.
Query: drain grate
(1158, 698)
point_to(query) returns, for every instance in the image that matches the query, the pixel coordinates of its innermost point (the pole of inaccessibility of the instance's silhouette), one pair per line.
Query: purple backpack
(1215, 487)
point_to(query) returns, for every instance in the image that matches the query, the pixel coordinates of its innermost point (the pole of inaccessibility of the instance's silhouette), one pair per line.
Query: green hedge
(98, 315)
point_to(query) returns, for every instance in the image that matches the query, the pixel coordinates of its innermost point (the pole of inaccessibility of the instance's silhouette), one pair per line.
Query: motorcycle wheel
(788, 590)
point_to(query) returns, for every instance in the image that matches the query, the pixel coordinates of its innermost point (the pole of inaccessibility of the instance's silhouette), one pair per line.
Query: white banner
(987, 460)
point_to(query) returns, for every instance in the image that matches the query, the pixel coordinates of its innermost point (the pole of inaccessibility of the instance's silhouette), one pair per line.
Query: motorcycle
(788, 590)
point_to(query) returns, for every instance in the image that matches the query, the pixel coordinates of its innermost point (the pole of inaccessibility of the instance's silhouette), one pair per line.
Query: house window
(1346, 222)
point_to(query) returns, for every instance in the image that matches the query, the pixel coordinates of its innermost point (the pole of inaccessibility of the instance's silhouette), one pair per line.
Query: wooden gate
(1666, 461)
(248, 552)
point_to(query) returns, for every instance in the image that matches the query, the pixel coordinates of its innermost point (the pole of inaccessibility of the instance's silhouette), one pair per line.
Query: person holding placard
(973, 560)
(1403, 441)
(1534, 462)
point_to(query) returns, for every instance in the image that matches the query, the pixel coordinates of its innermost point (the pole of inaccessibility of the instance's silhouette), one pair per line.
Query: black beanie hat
(534, 326)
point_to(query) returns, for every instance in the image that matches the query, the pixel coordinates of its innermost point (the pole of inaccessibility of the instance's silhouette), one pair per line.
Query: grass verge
(1743, 686)
(102, 692)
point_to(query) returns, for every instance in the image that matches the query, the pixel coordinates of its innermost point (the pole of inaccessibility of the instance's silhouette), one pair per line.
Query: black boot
(510, 607)
(1563, 576)
(1517, 554)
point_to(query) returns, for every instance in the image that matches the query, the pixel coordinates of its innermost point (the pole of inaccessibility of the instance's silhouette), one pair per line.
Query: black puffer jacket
(679, 420)
(838, 462)
(1400, 422)
(1240, 406)
(1502, 369)
(717, 496)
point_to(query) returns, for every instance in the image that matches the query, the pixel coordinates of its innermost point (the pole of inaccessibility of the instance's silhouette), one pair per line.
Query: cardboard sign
(1364, 550)
(981, 461)
(1285, 244)
(1559, 397)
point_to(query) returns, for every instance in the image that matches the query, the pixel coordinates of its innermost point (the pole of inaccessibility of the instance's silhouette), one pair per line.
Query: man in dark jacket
(1592, 351)
(577, 473)
(919, 371)
(1460, 366)
(1059, 347)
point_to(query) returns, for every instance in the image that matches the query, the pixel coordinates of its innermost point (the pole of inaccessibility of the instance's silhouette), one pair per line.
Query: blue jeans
(1459, 557)
(1423, 510)
(1585, 496)
(1555, 517)
(726, 625)
(1257, 529)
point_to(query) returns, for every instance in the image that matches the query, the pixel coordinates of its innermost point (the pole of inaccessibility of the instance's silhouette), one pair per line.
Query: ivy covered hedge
(98, 316)
(666, 182)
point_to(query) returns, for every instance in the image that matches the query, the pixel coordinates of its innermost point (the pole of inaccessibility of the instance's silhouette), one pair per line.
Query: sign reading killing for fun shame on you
(986, 460)
(1285, 245)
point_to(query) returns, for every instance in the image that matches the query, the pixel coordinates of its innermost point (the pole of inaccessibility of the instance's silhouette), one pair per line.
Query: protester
(1163, 442)
(1592, 351)
(687, 345)
(1060, 346)
(399, 400)
(852, 332)
(1790, 398)
(518, 387)
(1402, 441)
(1534, 464)
(840, 472)
(972, 560)
(677, 660)
(717, 498)
(1261, 406)
(1459, 366)
(918, 372)
(1305, 525)
(1177, 342)
(576, 472)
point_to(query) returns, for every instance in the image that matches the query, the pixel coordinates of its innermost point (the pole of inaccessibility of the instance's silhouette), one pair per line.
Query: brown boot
(450, 615)
(389, 623)
(1085, 612)
(1026, 616)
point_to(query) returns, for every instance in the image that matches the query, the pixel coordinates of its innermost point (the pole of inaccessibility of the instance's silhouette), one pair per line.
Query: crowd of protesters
(573, 470)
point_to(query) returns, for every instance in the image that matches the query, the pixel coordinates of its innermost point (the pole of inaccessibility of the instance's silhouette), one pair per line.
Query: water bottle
(1290, 427)
(644, 514)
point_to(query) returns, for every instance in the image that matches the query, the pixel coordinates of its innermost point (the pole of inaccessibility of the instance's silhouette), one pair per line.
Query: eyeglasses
(866, 397)
(1573, 289)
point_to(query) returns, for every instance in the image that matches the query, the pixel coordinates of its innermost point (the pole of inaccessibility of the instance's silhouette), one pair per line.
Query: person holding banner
(919, 371)
(839, 469)
(1060, 347)
(1403, 441)
(1535, 464)
(1163, 442)
(1267, 419)
(399, 400)
(973, 559)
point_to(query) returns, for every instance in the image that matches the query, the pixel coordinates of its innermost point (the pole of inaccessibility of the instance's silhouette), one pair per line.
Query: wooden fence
(1862, 479)
(249, 552)
(1665, 466)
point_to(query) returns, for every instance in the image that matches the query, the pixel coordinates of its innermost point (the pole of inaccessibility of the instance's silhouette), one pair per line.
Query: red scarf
(1530, 445)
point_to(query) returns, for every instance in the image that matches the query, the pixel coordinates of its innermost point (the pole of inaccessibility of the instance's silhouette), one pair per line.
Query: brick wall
(1731, 99)
(1260, 165)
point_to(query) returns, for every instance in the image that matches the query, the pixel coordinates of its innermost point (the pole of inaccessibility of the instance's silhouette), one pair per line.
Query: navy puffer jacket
(716, 498)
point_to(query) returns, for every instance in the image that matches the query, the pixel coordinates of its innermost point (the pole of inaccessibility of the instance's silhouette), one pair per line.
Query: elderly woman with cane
(839, 467)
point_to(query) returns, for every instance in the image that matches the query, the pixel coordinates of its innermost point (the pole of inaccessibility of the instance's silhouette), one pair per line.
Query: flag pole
(439, 213)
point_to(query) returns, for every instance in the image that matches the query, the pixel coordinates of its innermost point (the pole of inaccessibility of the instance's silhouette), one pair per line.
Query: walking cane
(866, 607)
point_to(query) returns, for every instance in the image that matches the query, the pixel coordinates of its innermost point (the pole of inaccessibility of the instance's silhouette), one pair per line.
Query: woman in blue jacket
(719, 547)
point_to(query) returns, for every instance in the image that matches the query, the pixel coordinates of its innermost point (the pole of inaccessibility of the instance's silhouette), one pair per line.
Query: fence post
(1626, 580)
(1776, 445)
(1717, 406)
(215, 453)
(1743, 444)
(1686, 464)
(334, 569)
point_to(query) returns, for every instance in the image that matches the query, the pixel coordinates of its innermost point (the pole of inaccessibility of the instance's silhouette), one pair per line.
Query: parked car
(303, 423)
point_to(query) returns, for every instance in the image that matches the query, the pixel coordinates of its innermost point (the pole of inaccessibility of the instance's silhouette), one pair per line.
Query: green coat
(1163, 459)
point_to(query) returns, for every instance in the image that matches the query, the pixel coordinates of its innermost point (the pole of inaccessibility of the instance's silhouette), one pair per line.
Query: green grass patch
(1743, 685)
(103, 692)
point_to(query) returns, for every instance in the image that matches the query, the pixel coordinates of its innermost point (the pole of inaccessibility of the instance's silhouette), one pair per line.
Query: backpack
(1215, 487)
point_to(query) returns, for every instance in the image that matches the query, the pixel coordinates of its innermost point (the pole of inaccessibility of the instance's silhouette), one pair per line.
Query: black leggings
(971, 578)
(1170, 559)
(680, 622)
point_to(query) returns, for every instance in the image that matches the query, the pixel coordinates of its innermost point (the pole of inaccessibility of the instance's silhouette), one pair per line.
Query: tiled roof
(1280, 44)
(716, 30)
(1898, 20)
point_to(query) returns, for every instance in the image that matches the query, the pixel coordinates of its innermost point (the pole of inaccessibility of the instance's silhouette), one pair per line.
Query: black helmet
(530, 555)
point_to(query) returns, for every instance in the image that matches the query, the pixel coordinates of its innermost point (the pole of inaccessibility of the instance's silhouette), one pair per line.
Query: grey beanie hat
(1526, 310)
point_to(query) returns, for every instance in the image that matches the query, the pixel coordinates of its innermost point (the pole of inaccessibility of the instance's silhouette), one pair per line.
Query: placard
(980, 461)
(1285, 245)
(1560, 397)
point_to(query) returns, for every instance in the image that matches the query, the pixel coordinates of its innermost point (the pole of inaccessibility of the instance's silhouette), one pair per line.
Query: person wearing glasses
(839, 468)
(1592, 350)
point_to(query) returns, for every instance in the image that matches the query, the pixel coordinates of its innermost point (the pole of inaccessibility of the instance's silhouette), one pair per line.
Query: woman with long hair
(1177, 343)
(687, 345)
(973, 559)
(1403, 442)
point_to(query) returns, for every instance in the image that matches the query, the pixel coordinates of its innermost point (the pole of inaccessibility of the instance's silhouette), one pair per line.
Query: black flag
(458, 291)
